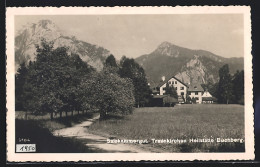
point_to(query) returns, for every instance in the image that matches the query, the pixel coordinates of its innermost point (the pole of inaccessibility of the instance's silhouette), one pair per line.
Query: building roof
(206, 94)
(195, 87)
(166, 80)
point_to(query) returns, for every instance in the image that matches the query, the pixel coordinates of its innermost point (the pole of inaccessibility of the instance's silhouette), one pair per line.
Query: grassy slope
(182, 122)
(39, 133)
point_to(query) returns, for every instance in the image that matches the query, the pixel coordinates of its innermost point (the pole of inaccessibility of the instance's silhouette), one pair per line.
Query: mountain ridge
(188, 65)
(31, 34)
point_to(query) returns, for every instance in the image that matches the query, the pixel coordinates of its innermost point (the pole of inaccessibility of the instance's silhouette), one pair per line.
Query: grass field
(180, 122)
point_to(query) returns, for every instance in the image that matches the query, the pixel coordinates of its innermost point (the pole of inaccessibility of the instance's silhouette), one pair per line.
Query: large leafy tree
(224, 92)
(78, 69)
(49, 76)
(108, 93)
(131, 69)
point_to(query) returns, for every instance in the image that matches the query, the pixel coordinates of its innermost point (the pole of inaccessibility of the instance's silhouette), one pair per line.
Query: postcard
(129, 84)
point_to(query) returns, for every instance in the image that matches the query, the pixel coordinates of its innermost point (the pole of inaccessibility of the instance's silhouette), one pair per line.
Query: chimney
(163, 78)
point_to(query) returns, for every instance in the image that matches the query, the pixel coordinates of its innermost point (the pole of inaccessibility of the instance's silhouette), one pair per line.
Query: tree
(169, 90)
(78, 69)
(81, 67)
(111, 61)
(108, 93)
(188, 99)
(224, 92)
(193, 100)
(111, 65)
(238, 87)
(20, 82)
(131, 69)
(48, 77)
(213, 88)
(123, 58)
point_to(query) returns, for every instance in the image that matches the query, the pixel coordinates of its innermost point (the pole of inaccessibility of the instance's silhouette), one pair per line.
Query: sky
(135, 35)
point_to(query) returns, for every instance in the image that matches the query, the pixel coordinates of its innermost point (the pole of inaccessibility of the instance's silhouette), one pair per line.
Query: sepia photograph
(133, 80)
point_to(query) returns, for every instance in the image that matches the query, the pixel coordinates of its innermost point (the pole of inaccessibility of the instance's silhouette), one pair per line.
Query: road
(94, 142)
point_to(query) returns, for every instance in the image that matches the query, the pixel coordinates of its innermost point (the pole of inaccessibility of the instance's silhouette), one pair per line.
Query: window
(175, 88)
(182, 88)
(189, 93)
(196, 98)
(196, 93)
(182, 93)
(175, 82)
(163, 88)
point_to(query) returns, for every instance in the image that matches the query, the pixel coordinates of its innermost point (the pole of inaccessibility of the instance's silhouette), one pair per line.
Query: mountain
(31, 34)
(186, 64)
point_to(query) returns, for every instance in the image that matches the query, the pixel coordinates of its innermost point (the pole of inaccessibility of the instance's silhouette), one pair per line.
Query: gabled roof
(195, 87)
(206, 94)
(166, 80)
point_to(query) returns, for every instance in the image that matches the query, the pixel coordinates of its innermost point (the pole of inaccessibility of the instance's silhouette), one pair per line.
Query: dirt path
(94, 142)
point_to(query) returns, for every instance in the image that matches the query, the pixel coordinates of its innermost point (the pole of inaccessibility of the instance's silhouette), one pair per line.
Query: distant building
(179, 86)
(195, 91)
(208, 98)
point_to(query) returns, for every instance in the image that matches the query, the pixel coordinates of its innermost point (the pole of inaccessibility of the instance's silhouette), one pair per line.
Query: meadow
(189, 121)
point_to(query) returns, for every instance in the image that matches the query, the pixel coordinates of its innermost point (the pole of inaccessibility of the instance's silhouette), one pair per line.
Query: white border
(47, 157)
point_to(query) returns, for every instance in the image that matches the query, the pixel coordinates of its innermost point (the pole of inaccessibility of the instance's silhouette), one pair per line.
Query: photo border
(59, 157)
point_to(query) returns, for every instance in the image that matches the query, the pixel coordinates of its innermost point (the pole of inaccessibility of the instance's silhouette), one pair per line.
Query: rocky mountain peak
(32, 34)
(164, 44)
(167, 49)
(46, 24)
(42, 28)
(194, 71)
(188, 65)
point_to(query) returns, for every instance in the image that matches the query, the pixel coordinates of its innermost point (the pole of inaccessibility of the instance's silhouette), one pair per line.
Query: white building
(195, 91)
(208, 98)
(179, 86)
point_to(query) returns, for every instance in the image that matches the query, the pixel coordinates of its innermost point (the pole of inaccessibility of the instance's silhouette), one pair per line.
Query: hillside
(186, 64)
(31, 34)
